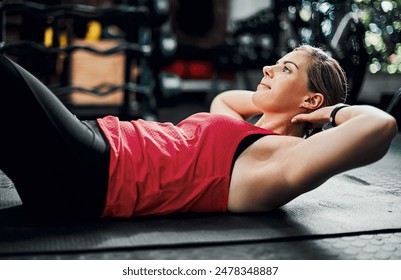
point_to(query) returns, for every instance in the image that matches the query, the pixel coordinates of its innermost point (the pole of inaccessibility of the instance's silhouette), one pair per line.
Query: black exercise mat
(361, 200)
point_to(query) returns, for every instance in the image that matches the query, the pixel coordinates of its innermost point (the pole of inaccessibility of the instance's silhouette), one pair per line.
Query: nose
(268, 71)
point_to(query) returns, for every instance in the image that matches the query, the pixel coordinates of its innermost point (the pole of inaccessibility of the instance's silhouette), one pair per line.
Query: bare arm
(362, 136)
(234, 103)
(294, 165)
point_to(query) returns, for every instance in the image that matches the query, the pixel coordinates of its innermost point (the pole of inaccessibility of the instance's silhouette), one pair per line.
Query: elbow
(390, 128)
(375, 136)
(218, 105)
(215, 103)
(388, 131)
(395, 126)
(384, 127)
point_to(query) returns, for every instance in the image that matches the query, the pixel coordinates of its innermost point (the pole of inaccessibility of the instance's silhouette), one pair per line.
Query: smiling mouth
(264, 86)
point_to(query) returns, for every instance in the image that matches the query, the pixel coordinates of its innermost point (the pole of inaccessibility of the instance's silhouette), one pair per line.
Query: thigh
(56, 162)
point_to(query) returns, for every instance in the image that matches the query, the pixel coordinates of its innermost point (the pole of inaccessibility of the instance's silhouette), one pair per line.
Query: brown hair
(325, 75)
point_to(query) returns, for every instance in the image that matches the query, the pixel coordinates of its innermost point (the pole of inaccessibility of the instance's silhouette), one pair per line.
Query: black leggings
(58, 164)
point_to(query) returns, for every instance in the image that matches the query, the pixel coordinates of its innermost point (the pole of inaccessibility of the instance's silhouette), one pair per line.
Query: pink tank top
(160, 168)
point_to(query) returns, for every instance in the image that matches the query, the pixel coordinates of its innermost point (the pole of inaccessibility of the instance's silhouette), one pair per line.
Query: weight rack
(137, 46)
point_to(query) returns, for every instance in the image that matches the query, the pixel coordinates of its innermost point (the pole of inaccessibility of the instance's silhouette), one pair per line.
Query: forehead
(300, 58)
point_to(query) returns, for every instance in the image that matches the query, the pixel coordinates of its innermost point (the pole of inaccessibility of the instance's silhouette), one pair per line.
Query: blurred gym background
(165, 59)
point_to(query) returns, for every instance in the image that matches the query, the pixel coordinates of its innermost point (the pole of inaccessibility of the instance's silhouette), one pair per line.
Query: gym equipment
(135, 41)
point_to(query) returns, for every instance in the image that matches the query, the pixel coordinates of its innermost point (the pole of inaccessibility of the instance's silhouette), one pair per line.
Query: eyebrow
(293, 63)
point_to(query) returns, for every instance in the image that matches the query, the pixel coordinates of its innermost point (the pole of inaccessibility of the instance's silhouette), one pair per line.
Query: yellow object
(48, 37)
(94, 31)
(63, 40)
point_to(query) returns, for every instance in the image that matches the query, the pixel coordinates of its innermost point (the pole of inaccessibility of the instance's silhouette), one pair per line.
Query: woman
(217, 161)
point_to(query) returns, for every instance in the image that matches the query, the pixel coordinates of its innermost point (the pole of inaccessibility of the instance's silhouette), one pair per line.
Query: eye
(286, 69)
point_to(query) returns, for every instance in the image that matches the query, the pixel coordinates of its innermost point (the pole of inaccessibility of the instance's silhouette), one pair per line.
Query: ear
(313, 101)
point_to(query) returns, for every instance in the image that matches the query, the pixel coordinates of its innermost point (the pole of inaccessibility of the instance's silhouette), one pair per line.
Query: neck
(280, 124)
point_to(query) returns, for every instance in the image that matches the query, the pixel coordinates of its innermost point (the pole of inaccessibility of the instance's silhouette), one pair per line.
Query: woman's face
(284, 86)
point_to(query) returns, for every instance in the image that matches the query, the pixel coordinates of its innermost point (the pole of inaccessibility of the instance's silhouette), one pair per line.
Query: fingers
(300, 118)
(319, 116)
